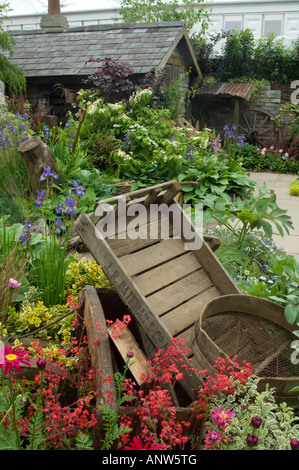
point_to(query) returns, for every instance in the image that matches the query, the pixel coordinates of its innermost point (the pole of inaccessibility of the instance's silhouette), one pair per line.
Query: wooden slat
(98, 341)
(125, 342)
(165, 274)
(188, 313)
(129, 244)
(180, 291)
(152, 256)
(220, 277)
(188, 336)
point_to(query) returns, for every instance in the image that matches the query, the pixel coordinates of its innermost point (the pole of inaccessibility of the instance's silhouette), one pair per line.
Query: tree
(190, 11)
(12, 76)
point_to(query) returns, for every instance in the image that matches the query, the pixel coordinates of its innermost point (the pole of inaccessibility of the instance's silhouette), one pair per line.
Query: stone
(55, 22)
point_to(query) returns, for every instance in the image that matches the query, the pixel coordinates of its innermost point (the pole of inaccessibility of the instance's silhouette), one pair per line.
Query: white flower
(246, 272)
(262, 278)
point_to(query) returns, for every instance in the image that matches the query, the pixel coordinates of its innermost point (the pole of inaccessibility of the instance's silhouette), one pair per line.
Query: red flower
(138, 445)
(10, 358)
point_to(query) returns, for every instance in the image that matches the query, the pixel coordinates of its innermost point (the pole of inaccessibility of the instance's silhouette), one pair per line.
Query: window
(231, 24)
(272, 26)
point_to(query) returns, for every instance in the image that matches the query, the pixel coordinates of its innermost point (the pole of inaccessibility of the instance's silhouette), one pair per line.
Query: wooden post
(237, 113)
(81, 119)
(36, 155)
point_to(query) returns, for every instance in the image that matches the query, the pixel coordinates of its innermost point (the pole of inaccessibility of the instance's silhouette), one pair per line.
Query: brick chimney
(54, 20)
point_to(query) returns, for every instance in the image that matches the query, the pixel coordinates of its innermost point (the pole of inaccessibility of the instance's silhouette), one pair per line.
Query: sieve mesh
(258, 341)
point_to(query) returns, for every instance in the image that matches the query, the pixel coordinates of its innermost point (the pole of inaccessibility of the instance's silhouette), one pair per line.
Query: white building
(261, 16)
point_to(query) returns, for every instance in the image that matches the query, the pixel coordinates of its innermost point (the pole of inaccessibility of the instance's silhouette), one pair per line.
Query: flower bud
(256, 421)
(130, 354)
(294, 443)
(41, 363)
(251, 440)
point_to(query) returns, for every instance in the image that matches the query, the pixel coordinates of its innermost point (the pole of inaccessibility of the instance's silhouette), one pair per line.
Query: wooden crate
(164, 282)
(108, 355)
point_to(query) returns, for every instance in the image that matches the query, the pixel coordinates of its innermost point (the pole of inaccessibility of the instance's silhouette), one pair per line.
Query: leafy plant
(112, 80)
(257, 213)
(248, 419)
(113, 430)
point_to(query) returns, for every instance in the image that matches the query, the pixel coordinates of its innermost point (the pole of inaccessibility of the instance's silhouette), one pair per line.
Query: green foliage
(259, 212)
(272, 59)
(82, 272)
(267, 58)
(83, 441)
(110, 415)
(294, 189)
(237, 56)
(12, 76)
(9, 437)
(276, 160)
(190, 11)
(278, 421)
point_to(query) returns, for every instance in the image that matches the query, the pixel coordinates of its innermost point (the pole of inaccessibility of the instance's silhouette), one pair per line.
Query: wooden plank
(179, 292)
(153, 255)
(203, 253)
(131, 243)
(139, 193)
(178, 319)
(165, 274)
(125, 342)
(99, 346)
(129, 292)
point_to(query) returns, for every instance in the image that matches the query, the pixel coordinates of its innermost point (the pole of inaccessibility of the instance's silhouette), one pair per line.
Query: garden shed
(50, 57)
(225, 103)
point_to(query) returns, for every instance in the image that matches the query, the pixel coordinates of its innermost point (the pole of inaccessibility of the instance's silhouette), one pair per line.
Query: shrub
(294, 189)
(237, 56)
(112, 80)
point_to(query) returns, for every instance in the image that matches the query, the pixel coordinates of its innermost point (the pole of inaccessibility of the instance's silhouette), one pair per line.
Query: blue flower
(79, 189)
(189, 153)
(26, 235)
(58, 226)
(48, 174)
(127, 141)
(41, 197)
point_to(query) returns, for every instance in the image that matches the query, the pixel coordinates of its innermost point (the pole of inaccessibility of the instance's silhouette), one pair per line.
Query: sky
(23, 7)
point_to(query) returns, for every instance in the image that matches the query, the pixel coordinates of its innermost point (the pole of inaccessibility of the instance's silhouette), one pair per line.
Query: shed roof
(143, 45)
(240, 90)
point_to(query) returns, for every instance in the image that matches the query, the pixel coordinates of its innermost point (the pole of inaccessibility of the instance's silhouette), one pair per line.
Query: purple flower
(26, 235)
(256, 421)
(60, 209)
(79, 189)
(127, 141)
(48, 174)
(58, 226)
(41, 363)
(189, 153)
(70, 207)
(41, 197)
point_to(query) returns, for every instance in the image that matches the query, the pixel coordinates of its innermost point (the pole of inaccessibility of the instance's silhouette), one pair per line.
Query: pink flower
(12, 357)
(213, 437)
(13, 283)
(222, 416)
